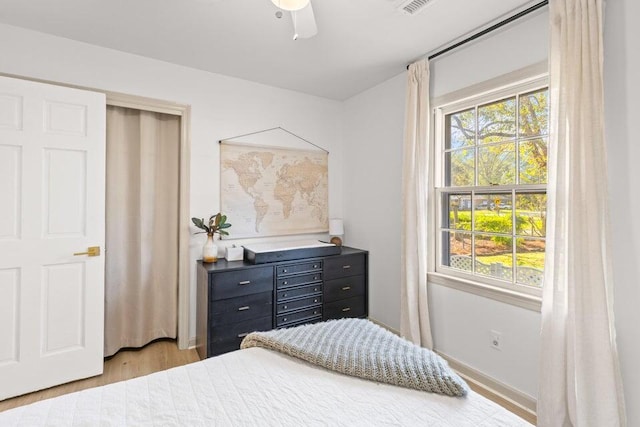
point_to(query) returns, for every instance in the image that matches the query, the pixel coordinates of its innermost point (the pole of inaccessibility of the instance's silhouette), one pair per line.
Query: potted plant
(217, 224)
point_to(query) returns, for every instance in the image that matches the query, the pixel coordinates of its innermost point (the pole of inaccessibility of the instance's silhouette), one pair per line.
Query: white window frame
(519, 82)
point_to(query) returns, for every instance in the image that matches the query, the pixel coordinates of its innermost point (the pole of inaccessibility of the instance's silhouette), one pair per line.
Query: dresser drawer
(241, 329)
(345, 287)
(303, 322)
(342, 266)
(302, 291)
(241, 308)
(351, 307)
(298, 316)
(303, 267)
(298, 304)
(302, 279)
(242, 282)
(221, 347)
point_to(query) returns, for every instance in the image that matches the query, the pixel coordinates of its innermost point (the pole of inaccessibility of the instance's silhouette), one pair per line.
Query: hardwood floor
(156, 356)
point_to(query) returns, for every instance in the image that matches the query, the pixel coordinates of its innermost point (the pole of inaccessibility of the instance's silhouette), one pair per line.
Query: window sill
(529, 302)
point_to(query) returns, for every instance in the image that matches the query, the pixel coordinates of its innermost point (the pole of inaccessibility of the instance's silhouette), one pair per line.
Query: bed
(255, 387)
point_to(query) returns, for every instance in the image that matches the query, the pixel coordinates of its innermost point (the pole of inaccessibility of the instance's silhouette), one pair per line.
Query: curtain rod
(489, 29)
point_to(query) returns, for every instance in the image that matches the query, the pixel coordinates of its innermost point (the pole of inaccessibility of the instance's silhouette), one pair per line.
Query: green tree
(496, 132)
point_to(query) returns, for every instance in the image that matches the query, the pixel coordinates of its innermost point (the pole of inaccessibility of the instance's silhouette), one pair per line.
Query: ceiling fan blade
(304, 23)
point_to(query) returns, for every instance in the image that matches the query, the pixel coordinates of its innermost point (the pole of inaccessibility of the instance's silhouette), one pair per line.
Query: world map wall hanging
(271, 191)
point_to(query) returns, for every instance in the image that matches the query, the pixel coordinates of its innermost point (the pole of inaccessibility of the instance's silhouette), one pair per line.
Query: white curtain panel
(414, 309)
(580, 382)
(141, 283)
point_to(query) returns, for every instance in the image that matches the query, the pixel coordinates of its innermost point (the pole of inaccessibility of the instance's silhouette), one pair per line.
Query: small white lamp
(336, 229)
(291, 5)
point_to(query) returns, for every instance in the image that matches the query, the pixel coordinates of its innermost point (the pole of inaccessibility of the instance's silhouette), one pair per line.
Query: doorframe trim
(184, 111)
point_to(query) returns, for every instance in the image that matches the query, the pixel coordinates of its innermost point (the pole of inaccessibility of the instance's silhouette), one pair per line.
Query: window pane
(493, 213)
(531, 214)
(497, 121)
(533, 161)
(534, 114)
(460, 167)
(530, 261)
(493, 198)
(458, 251)
(460, 129)
(494, 256)
(459, 211)
(497, 164)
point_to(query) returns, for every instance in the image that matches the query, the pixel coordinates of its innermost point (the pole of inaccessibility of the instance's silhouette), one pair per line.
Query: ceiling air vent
(413, 7)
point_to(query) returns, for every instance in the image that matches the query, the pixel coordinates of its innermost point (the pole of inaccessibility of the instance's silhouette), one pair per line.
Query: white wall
(374, 123)
(373, 133)
(221, 107)
(622, 92)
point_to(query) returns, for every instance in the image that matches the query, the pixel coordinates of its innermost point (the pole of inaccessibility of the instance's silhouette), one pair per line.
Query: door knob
(91, 251)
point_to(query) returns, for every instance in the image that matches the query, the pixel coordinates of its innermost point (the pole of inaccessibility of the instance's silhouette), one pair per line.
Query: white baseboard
(192, 342)
(493, 386)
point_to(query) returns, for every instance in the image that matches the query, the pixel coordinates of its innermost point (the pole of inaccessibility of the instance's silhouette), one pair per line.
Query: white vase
(209, 250)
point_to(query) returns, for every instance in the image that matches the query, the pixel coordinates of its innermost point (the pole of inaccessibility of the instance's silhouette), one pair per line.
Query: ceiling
(360, 43)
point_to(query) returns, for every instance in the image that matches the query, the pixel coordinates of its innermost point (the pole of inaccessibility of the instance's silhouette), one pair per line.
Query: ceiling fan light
(291, 5)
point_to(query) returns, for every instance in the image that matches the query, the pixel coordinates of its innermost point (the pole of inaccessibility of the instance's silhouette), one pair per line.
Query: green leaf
(223, 219)
(222, 232)
(226, 225)
(218, 217)
(199, 223)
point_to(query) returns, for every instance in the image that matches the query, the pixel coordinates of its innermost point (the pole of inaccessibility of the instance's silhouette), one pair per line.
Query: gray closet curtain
(141, 283)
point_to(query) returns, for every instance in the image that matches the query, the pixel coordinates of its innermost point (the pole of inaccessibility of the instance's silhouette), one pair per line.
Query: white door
(52, 179)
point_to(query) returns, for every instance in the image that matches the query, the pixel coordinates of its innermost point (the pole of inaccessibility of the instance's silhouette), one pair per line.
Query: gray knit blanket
(359, 348)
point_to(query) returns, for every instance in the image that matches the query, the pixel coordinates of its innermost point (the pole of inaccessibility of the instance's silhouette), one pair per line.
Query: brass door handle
(91, 251)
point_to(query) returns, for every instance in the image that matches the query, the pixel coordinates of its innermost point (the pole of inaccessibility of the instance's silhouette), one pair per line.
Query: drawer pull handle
(346, 309)
(284, 307)
(244, 282)
(315, 289)
(315, 312)
(285, 283)
(284, 270)
(284, 320)
(315, 265)
(245, 308)
(315, 277)
(243, 335)
(346, 288)
(346, 267)
(284, 295)
(315, 300)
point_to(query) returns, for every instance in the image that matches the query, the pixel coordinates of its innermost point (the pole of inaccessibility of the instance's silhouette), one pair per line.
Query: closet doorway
(147, 285)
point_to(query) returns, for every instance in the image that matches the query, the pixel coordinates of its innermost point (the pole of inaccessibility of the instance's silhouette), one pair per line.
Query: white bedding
(257, 387)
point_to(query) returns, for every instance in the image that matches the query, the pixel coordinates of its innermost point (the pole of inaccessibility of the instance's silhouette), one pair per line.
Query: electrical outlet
(496, 340)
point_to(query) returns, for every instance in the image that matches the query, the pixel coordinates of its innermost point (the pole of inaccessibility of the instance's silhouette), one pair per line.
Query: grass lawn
(528, 259)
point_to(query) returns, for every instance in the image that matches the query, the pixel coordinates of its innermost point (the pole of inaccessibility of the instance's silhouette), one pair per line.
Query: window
(491, 176)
